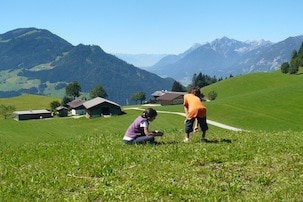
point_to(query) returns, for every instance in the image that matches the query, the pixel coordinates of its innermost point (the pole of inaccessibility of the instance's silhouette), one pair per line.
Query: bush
(212, 95)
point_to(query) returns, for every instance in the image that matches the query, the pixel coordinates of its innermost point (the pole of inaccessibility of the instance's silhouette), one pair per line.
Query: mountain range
(37, 61)
(224, 57)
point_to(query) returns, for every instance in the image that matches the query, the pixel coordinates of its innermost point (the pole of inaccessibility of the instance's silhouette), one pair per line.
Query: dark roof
(75, 103)
(169, 96)
(96, 101)
(60, 108)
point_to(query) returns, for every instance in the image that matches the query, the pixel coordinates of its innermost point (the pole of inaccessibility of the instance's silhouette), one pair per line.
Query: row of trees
(296, 61)
(200, 80)
(73, 91)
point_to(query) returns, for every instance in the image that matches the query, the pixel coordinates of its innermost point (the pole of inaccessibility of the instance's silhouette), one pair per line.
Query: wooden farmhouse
(169, 97)
(32, 114)
(101, 107)
(76, 107)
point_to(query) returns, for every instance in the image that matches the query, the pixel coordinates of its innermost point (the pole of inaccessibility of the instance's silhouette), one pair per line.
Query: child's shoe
(186, 140)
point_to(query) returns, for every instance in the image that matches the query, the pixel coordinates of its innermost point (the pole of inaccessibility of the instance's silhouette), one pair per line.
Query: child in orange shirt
(194, 110)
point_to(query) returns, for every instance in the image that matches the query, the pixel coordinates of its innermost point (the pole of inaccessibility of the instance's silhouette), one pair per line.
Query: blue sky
(155, 26)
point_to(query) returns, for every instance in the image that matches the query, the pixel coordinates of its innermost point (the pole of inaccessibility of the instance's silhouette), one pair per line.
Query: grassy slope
(92, 164)
(84, 160)
(260, 101)
(28, 101)
(15, 133)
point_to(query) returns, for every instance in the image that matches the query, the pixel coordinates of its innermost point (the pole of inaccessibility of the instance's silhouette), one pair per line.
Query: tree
(66, 100)
(6, 111)
(73, 89)
(285, 68)
(294, 54)
(54, 104)
(98, 91)
(202, 80)
(138, 96)
(300, 52)
(300, 55)
(178, 87)
(294, 65)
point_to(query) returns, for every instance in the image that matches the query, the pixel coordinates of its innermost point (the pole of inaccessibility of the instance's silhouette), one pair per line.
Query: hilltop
(259, 101)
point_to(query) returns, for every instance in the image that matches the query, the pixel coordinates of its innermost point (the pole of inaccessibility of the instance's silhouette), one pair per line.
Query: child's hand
(158, 133)
(196, 129)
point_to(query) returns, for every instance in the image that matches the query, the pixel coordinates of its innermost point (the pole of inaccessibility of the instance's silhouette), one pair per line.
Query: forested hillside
(39, 62)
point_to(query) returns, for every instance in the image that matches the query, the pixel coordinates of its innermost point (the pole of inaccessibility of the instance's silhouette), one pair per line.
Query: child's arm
(154, 133)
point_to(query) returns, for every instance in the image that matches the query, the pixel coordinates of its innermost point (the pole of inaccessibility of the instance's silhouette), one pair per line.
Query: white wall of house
(78, 112)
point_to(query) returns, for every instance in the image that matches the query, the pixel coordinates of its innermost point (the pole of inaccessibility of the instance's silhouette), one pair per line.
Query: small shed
(98, 106)
(171, 98)
(32, 114)
(62, 111)
(76, 107)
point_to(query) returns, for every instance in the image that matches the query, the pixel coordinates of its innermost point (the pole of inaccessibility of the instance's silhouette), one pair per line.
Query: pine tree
(178, 87)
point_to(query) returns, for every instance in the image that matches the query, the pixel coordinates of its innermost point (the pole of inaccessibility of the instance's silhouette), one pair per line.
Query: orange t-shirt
(194, 106)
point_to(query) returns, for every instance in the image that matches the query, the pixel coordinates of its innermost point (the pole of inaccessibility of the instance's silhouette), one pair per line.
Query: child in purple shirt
(138, 132)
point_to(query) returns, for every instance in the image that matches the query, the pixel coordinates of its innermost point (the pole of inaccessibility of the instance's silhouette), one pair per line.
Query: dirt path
(214, 123)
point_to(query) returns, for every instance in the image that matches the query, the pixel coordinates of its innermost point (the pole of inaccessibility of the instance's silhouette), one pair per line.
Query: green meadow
(79, 159)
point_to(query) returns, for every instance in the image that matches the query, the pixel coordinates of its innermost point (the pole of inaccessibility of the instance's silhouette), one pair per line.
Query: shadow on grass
(218, 141)
(164, 143)
(208, 141)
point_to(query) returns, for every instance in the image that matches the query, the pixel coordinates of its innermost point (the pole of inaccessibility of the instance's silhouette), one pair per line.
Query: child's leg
(144, 139)
(203, 126)
(188, 128)
(203, 134)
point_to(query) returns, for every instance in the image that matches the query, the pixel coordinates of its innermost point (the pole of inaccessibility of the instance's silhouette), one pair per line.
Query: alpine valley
(37, 61)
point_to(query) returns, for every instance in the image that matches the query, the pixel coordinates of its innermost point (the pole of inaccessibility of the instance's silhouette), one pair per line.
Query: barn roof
(163, 92)
(75, 103)
(96, 101)
(60, 108)
(170, 96)
(40, 111)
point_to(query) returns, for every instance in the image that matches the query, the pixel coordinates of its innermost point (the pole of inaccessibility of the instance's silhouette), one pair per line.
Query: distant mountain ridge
(141, 60)
(38, 62)
(223, 57)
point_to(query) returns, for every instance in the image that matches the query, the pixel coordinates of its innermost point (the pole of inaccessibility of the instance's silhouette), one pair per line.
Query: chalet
(32, 114)
(168, 97)
(159, 93)
(101, 107)
(76, 107)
